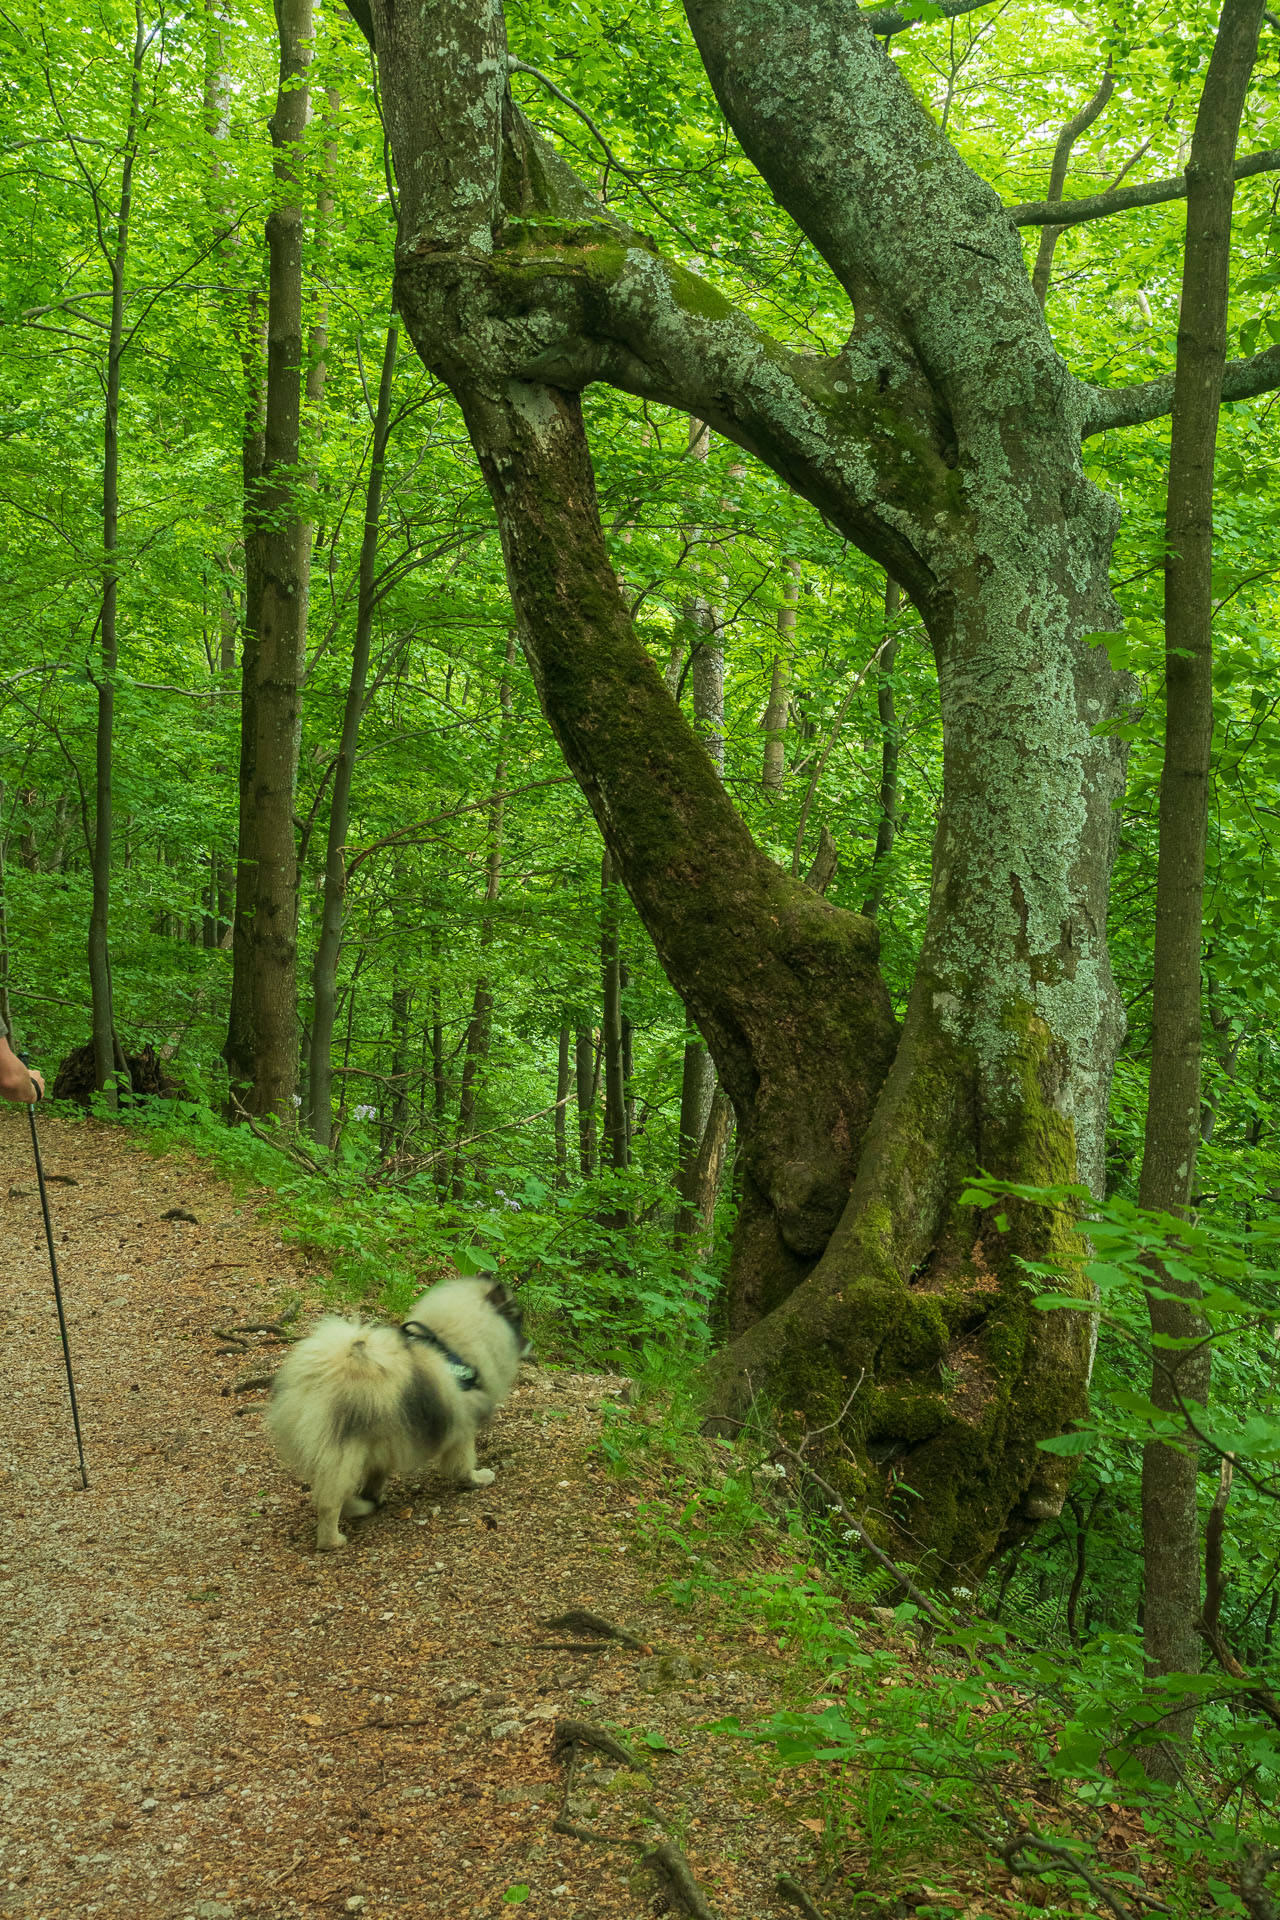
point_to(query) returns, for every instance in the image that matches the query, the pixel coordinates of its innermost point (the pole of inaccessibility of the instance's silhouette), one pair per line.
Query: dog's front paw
(481, 1477)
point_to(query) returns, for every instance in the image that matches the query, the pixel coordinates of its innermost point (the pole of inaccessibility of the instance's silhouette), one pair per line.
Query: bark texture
(944, 441)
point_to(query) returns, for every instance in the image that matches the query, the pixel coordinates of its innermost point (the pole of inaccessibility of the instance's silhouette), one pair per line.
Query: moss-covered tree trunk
(943, 441)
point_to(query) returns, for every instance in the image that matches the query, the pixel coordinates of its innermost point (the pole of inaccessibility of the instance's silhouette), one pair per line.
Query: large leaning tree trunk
(943, 441)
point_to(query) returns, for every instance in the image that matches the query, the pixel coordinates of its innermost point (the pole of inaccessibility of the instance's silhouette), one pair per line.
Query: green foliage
(923, 1731)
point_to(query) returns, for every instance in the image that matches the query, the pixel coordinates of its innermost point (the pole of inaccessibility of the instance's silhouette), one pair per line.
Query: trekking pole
(57, 1290)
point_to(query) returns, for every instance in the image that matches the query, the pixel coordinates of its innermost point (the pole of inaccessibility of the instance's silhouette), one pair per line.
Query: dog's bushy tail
(331, 1389)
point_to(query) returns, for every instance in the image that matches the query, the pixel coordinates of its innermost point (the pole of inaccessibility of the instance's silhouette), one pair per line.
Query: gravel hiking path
(203, 1719)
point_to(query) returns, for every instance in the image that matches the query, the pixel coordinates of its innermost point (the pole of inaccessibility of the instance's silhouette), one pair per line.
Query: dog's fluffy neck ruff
(467, 1376)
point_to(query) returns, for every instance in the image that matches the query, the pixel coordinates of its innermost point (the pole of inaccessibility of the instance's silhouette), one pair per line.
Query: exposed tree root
(671, 1867)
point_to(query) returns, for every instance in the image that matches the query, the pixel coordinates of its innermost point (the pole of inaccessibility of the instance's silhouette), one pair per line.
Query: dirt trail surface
(203, 1719)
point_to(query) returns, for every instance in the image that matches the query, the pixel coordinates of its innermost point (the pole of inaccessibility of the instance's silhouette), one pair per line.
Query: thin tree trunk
(249, 326)
(615, 1108)
(585, 1087)
(775, 717)
(628, 1051)
(697, 1091)
(317, 365)
(281, 534)
(325, 969)
(401, 1000)
(887, 826)
(318, 339)
(564, 1085)
(238, 1051)
(1169, 1518)
(476, 1049)
(105, 1074)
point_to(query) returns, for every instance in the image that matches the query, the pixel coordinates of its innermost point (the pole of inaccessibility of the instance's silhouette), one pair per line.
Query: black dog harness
(467, 1376)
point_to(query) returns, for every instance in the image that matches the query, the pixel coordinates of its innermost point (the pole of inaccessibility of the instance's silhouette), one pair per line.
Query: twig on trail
(578, 1620)
(670, 1865)
(252, 1384)
(274, 1328)
(791, 1891)
(277, 1327)
(284, 1872)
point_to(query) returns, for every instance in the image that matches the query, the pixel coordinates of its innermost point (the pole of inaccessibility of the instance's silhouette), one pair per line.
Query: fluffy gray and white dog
(354, 1403)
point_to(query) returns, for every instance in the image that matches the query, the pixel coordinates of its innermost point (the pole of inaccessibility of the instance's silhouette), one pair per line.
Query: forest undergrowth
(949, 1738)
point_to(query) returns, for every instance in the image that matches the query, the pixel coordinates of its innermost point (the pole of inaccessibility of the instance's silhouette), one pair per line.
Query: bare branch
(1097, 206)
(420, 826)
(1071, 132)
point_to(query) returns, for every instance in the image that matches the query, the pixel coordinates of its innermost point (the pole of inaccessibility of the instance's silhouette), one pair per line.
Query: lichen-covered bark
(944, 440)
